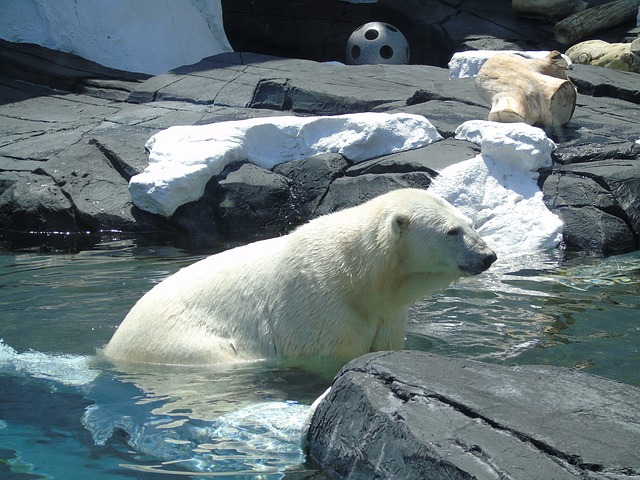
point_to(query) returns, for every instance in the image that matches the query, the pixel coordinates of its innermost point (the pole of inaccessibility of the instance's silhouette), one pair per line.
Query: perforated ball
(377, 42)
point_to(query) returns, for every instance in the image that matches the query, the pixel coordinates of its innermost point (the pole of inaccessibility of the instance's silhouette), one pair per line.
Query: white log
(535, 92)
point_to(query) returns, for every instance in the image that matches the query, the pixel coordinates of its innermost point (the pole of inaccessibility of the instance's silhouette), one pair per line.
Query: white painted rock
(183, 159)
(467, 64)
(517, 144)
(146, 36)
(498, 189)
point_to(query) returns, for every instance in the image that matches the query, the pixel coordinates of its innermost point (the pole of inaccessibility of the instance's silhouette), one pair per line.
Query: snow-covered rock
(498, 189)
(146, 36)
(467, 64)
(183, 159)
(517, 144)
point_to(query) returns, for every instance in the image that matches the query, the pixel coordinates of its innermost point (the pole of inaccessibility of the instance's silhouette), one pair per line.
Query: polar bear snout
(488, 260)
(482, 263)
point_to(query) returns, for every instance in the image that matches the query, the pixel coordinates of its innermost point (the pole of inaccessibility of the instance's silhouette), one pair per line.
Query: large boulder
(598, 202)
(416, 415)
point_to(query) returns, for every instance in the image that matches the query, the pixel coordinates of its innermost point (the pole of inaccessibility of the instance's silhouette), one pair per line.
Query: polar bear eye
(454, 231)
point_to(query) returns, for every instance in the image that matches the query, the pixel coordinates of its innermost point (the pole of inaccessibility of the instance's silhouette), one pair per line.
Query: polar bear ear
(400, 222)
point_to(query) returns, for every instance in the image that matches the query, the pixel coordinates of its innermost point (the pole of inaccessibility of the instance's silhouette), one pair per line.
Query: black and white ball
(377, 42)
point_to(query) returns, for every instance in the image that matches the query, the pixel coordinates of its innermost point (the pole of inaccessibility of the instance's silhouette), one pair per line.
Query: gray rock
(249, 199)
(603, 82)
(77, 190)
(309, 181)
(561, 191)
(596, 121)
(414, 168)
(349, 191)
(32, 202)
(87, 146)
(447, 114)
(598, 202)
(242, 80)
(123, 150)
(591, 152)
(415, 415)
(594, 230)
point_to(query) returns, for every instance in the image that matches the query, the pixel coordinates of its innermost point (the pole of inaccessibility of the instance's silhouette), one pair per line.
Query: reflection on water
(580, 313)
(66, 412)
(72, 302)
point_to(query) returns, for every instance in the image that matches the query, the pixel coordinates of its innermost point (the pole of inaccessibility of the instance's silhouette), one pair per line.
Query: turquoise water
(65, 413)
(579, 313)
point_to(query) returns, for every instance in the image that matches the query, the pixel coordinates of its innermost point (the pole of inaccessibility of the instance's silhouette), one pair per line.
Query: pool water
(66, 413)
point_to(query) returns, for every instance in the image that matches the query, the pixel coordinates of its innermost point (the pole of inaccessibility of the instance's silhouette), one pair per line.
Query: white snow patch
(183, 159)
(498, 189)
(467, 64)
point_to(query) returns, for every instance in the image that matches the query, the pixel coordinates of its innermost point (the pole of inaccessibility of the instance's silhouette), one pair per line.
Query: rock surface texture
(74, 134)
(416, 415)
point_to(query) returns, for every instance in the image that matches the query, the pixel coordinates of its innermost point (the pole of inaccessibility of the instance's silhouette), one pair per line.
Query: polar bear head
(434, 240)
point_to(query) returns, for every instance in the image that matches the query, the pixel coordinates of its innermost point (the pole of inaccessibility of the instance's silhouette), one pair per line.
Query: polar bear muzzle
(484, 261)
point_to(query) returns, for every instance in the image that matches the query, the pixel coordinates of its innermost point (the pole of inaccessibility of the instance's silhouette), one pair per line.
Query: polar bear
(335, 288)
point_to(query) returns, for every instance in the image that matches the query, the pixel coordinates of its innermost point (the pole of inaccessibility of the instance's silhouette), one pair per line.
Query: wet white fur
(337, 287)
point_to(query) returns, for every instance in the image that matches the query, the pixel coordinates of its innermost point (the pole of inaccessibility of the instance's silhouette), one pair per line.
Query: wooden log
(617, 56)
(581, 24)
(551, 10)
(519, 90)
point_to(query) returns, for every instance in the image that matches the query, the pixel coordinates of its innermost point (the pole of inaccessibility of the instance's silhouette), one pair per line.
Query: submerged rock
(416, 415)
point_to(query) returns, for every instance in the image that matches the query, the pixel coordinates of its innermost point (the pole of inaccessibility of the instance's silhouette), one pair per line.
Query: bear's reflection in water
(245, 417)
(206, 391)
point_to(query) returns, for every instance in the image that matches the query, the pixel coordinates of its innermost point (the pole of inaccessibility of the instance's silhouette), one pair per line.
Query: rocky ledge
(415, 415)
(74, 134)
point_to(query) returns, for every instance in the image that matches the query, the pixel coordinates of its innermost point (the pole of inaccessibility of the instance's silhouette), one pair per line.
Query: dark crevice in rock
(314, 212)
(23, 159)
(424, 96)
(272, 94)
(114, 160)
(73, 208)
(541, 446)
(222, 87)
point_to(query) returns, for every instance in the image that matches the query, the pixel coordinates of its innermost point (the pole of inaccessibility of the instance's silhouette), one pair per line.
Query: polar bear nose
(488, 260)
(481, 263)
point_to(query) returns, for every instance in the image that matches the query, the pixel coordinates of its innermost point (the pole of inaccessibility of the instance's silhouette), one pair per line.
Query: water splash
(257, 440)
(59, 369)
